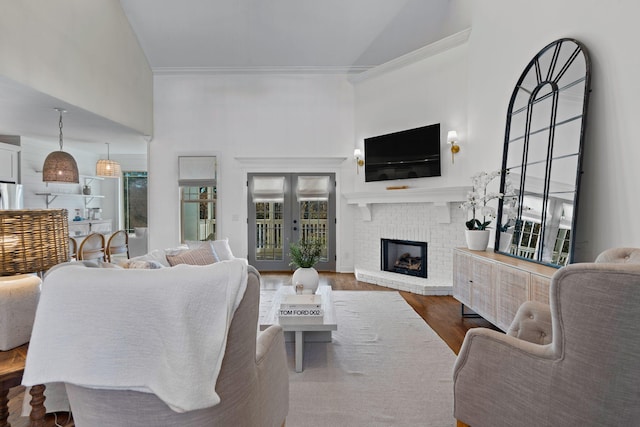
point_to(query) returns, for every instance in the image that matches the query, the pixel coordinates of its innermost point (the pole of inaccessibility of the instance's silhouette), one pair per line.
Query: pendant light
(108, 168)
(60, 166)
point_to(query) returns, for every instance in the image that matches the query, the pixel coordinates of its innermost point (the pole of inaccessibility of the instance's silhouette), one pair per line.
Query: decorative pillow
(197, 244)
(160, 255)
(97, 264)
(140, 264)
(222, 250)
(103, 264)
(199, 256)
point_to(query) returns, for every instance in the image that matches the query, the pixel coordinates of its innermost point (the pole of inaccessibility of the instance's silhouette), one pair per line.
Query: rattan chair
(92, 247)
(118, 243)
(73, 249)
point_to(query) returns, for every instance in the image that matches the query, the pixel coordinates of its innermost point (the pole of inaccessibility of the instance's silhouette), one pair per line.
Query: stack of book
(301, 309)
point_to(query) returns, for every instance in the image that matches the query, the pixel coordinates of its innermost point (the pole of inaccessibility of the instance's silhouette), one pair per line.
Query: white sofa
(114, 303)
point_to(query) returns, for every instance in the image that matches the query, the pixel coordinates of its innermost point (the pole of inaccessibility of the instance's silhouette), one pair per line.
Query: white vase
(477, 240)
(505, 241)
(308, 278)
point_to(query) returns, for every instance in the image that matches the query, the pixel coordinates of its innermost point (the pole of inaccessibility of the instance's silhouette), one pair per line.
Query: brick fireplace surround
(432, 216)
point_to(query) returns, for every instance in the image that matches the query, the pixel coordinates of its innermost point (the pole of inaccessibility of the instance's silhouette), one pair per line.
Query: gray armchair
(573, 363)
(253, 384)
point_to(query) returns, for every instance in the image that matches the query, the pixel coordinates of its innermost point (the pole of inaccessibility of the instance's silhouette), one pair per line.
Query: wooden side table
(11, 369)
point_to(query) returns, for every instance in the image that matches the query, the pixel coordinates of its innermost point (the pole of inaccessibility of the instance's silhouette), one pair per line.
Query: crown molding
(180, 71)
(425, 52)
(356, 73)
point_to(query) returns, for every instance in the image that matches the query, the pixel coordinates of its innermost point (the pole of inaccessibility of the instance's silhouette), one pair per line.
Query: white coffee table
(300, 333)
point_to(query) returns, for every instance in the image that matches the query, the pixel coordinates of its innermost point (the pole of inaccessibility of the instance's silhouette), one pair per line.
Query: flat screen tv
(413, 153)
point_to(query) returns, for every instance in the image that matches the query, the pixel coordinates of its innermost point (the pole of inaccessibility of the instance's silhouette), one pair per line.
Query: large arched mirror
(542, 156)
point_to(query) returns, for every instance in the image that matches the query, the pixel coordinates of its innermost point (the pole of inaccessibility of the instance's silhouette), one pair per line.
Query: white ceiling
(240, 35)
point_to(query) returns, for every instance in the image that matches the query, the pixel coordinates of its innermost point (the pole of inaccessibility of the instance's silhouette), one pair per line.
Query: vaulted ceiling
(273, 34)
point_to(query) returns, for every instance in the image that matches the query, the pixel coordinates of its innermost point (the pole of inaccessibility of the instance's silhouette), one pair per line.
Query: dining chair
(92, 247)
(73, 249)
(118, 243)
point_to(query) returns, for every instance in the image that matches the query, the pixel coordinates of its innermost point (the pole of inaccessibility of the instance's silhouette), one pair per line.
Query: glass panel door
(285, 208)
(268, 222)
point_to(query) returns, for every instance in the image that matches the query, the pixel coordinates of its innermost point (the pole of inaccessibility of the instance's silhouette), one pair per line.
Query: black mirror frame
(554, 74)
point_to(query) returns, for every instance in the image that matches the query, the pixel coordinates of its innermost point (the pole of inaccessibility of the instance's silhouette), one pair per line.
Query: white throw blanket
(159, 331)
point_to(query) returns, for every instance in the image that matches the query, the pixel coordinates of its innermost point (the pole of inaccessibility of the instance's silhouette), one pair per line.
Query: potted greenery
(304, 255)
(476, 234)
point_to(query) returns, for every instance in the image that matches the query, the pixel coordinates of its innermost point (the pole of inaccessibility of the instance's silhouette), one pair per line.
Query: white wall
(506, 35)
(81, 52)
(270, 116)
(433, 90)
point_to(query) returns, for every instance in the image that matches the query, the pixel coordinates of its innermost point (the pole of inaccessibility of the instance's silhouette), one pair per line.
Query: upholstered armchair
(253, 381)
(573, 363)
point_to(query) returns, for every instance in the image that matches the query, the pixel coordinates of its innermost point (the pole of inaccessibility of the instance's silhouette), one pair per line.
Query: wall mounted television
(412, 153)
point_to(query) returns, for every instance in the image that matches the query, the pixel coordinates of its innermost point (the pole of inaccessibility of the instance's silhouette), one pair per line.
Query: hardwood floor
(441, 313)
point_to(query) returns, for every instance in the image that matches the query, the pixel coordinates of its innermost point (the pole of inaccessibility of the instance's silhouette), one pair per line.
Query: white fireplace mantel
(440, 197)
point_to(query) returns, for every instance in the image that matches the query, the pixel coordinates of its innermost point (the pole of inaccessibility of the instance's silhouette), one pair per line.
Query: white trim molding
(425, 52)
(285, 164)
(181, 71)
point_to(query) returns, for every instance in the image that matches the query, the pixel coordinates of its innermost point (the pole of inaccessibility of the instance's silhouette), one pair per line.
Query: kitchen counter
(85, 227)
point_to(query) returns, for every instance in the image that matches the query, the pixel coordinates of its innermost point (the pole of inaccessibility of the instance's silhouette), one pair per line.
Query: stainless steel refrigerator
(11, 196)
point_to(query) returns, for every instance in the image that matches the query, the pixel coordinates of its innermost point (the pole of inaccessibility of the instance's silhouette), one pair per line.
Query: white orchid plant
(478, 199)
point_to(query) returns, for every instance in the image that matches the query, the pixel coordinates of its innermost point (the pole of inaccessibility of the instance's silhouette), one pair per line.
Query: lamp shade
(108, 168)
(60, 167)
(452, 136)
(32, 240)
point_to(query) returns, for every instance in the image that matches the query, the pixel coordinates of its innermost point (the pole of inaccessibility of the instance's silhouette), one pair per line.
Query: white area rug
(384, 367)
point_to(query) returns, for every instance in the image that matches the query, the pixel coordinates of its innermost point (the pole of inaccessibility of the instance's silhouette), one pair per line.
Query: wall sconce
(357, 155)
(452, 137)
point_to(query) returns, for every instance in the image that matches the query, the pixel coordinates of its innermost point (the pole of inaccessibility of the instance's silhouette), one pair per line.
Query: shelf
(50, 197)
(89, 179)
(440, 197)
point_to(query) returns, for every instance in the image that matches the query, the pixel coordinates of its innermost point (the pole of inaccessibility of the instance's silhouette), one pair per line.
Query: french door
(288, 207)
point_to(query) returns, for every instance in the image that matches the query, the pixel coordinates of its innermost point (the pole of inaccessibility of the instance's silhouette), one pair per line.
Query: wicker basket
(33, 240)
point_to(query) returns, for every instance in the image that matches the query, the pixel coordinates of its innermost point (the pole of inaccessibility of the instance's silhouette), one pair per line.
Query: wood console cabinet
(495, 285)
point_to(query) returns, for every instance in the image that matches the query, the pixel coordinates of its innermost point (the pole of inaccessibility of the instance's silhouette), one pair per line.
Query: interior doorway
(288, 207)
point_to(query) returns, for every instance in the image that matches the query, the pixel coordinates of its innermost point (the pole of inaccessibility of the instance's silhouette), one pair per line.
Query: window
(198, 197)
(198, 211)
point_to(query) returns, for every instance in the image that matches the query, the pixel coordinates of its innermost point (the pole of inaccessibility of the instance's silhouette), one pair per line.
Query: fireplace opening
(404, 256)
